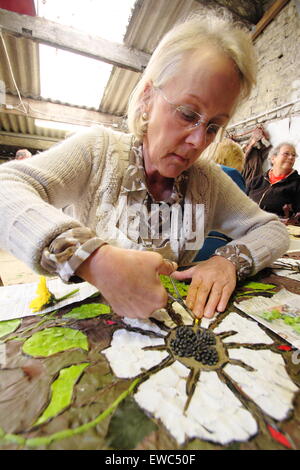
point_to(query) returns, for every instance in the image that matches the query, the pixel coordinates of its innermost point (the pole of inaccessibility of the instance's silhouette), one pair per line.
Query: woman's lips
(178, 157)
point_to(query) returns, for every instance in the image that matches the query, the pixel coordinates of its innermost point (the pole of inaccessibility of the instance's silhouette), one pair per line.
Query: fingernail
(198, 315)
(208, 314)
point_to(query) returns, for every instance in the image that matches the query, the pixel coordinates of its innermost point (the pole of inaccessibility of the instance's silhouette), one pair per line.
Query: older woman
(144, 202)
(278, 190)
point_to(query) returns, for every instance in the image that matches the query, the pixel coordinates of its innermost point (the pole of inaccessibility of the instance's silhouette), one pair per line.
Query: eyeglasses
(288, 154)
(190, 119)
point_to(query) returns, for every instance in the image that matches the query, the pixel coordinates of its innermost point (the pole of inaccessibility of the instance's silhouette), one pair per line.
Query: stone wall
(278, 80)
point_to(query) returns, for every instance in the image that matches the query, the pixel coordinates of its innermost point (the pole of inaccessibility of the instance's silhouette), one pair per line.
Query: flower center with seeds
(199, 345)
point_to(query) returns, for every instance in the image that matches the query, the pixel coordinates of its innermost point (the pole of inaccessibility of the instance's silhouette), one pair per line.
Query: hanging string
(12, 74)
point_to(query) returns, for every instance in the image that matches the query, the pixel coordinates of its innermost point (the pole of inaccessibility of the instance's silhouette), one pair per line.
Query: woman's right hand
(128, 279)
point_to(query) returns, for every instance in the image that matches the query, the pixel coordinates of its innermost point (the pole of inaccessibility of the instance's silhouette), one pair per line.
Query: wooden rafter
(72, 40)
(49, 111)
(25, 140)
(268, 17)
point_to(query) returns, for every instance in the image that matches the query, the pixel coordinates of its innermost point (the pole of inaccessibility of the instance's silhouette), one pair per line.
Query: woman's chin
(172, 170)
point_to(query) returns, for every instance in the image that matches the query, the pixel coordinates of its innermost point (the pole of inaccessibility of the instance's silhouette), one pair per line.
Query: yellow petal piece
(44, 296)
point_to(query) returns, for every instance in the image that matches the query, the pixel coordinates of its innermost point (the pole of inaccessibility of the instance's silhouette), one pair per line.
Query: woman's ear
(146, 96)
(272, 159)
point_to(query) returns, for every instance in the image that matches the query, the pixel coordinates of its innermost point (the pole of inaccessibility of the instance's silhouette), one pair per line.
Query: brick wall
(278, 79)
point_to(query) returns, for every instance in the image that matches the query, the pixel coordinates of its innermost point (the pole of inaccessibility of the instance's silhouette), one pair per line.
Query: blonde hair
(229, 153)
(191, 35)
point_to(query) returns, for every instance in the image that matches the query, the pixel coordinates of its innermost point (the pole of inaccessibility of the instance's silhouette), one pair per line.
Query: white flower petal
(145, 325)
(126, 356)
(205, 322)
(269, 385)
(163, 316)
(248, 331)
(206, 417)
(186, 318)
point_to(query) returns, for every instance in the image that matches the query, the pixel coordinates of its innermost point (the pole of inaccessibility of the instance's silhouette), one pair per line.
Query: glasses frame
(201, 120)
(286, 155)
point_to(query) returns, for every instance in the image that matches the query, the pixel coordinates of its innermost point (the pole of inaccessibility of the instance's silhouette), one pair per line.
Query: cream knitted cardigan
(86, 170)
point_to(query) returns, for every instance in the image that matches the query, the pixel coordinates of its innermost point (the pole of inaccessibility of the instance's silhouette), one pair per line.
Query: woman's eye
(187, 114)
(213, 128)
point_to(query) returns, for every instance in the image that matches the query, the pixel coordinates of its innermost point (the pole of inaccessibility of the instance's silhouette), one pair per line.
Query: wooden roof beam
(56, 112)
(270, 14)
(70, 39)
(26, 140)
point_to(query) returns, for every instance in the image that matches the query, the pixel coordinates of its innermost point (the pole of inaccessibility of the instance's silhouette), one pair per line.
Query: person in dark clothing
(278, 190)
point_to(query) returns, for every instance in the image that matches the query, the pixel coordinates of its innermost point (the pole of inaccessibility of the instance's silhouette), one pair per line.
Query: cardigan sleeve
(33, 191)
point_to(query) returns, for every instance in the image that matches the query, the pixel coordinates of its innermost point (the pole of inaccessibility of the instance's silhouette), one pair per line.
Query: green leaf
(259, 286)
(289, 320)
(272, 315)
(88, 311)
(296, 327)
(53, 340)
(294, 322)
(181, 286)
(46, 440)
(129, 426)
(62, 391)
(8, 326)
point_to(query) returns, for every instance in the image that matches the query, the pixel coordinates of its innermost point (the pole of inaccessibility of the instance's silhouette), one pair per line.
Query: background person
(22, 154)
(278, 189)
(190, 88)
(230, 156)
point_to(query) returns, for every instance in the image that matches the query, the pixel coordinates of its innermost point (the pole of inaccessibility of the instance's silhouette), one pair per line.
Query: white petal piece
(186, 318)
(205, 322)
(206, 418)
(126, 356)
(248, 331)
(163, 316)
(269, 385)
(145, 325)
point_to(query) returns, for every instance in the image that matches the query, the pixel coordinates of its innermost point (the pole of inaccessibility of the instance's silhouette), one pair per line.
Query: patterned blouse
(71, 248)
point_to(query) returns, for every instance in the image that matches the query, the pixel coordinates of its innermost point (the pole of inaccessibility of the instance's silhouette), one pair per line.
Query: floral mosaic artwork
(188, 395)
(83, 378)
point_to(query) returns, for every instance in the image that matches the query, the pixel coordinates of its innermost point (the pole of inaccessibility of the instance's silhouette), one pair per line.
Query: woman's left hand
(213, 282)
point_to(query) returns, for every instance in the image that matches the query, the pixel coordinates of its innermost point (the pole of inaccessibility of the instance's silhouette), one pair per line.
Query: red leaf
(283, 347)
(279, 437)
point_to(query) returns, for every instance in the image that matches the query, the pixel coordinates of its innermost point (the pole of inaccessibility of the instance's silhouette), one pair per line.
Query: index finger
(167, 267)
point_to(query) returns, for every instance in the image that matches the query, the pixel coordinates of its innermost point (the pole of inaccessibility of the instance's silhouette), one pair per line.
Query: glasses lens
(287, 155)
(187, 116)
(212, 130)
(190, 119)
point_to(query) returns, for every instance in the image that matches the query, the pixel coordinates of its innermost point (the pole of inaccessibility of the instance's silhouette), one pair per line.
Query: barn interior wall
(278, 80)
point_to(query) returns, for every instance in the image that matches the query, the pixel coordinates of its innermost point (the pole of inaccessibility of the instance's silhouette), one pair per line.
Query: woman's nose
(197, 137)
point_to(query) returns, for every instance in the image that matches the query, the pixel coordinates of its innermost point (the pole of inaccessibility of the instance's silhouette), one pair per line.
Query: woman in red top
(278, 190)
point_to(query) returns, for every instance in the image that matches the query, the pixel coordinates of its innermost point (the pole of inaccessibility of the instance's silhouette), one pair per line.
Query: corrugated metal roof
(149, 22)
(23, 56)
